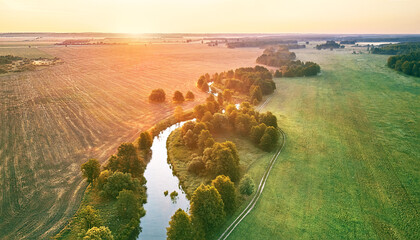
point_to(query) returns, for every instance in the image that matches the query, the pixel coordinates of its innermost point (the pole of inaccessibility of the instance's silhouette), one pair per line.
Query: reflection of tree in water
(174, 196)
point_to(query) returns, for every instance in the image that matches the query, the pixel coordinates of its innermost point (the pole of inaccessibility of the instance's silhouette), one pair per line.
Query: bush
(157, 95)
(247, 185)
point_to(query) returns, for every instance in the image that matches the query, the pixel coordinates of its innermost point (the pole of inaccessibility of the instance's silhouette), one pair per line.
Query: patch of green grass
(350, 168)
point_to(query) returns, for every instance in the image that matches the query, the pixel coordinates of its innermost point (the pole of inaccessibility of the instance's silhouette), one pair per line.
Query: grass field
(350, 168)
(52, 120)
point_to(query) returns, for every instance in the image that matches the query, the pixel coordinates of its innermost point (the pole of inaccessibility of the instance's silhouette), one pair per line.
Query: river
(159, 208)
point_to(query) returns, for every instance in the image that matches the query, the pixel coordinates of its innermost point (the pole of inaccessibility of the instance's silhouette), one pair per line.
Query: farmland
(350, 169)
(53, 119)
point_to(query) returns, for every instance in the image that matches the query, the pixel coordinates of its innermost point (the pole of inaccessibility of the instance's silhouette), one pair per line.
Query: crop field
(350, 168)
(53, 119)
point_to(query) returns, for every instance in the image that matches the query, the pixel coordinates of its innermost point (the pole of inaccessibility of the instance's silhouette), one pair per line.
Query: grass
(350, 168)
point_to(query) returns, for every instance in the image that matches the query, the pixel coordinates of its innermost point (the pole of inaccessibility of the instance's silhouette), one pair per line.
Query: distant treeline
(348, 42)
(258, 43)
(329, 45)
(406, 63)
(8, 59)
(394, 49)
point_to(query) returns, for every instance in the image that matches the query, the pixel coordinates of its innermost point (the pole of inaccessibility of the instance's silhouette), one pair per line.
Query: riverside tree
(180, 227)
(145, 141)
(226, 189)
(207, 209)
(91, 170)
(99, 233)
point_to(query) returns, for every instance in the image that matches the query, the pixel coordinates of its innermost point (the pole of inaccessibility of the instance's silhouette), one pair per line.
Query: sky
(211, 16)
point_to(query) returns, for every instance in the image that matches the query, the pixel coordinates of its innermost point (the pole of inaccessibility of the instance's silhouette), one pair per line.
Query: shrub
(246, 186)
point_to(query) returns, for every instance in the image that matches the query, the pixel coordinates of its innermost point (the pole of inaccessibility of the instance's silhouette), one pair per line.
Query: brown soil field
(54, 119)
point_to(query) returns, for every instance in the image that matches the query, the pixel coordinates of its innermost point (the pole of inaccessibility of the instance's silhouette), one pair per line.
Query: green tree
(226, 189)
(180, 227)
(99, 233)
(128, 205)
(119, 181)
(246, 185)
(103, 177)
(207, 209)
(269, 140)
(91, 170)
(222, 159)
(268, 119)
(178, 97)
(145, 141)
(256, 93)
(128, 161)
(87, 218)
(257, 132)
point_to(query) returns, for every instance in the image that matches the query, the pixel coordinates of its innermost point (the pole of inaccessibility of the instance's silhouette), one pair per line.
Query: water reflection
(159, 208)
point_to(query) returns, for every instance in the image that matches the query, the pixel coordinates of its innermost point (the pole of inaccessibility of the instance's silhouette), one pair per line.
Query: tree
(180, 227)
(227, 95)
(196, 165)
(268, 119)
(269, 140)
(226, 189)
(128, 205)
(203, 139)
(103, 177)
(145, 141)
(256, 93)
(189, 96)
(207, 209)
(88, 217)
(178, 97)
(179, 113)
(128, 161)
(277, 74)
(157, 95)
(222, 159)
(119, 181)
(257, 132)
(99, 233)
(190, 139)
(91, 170)
(247, 185)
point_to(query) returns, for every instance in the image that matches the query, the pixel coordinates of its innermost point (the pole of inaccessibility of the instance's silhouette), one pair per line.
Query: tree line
(159, 95)
(121, 186)
(396, 49)
(329, 45)
(406, 63)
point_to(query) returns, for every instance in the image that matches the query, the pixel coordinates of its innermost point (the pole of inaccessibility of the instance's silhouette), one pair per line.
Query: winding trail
(261, 186)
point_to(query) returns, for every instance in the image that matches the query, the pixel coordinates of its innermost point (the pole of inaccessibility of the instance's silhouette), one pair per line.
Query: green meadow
(351, 165)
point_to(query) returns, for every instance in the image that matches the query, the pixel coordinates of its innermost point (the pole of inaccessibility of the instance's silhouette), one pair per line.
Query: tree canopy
(91, 170)
(180, 227)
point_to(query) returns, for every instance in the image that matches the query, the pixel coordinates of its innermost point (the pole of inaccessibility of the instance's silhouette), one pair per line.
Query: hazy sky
(210, 16)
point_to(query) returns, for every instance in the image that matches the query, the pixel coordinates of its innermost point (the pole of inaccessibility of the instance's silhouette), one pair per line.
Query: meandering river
(159, 208)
